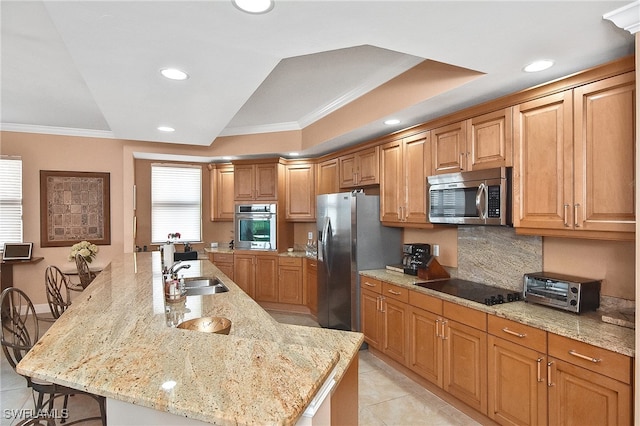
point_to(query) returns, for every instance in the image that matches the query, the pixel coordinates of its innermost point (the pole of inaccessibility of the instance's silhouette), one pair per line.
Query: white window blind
(10, 200)
(176, 202)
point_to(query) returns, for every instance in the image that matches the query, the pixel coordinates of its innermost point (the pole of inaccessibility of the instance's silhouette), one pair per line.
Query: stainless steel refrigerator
(350, 239)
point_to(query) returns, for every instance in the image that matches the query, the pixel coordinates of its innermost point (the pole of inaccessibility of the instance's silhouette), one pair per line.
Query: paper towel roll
(168, 250)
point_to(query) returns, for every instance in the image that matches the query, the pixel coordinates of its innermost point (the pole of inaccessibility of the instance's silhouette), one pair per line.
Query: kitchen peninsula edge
(118, 340)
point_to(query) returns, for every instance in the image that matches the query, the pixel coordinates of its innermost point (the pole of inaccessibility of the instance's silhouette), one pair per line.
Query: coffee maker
(414, 257)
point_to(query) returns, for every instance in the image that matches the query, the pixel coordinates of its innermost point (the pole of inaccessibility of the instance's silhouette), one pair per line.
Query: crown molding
(52, 130)
(626, 17)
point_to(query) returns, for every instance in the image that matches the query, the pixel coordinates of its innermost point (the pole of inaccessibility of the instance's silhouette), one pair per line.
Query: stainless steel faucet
(174, 271)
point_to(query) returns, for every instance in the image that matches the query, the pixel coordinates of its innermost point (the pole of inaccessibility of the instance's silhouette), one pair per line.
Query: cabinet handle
(539, 362)
(444, 324)
(400, 214)
(549, 383)
(587, 358)
(382, 304)
(513, 333)
(461, 161)
(367, 283)
(397, 293)
(564, 219)
(575, 215)
(437, 325)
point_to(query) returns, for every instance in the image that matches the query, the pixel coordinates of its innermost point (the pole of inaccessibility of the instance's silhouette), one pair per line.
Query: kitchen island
(119, 340)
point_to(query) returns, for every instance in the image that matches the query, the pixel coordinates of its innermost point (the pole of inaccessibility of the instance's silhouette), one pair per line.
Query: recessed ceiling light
(174, 74)
(392, 121)
(294, 154)
(226, 158)
(254, 6)
(166, 129)
(539, 65)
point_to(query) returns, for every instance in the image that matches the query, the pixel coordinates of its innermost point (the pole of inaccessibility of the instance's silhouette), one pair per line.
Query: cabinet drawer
(290, 261)
(370, 284)
(603, 361)
(464, 315)
(395, 292)
(426, 302)
(222, 257)
(515, 332)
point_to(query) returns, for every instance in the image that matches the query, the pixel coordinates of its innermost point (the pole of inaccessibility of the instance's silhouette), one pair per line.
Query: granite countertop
(295, 253)
(586, 327)
(118, 339)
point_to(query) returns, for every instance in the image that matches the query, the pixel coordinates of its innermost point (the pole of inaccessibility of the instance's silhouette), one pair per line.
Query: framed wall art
(74, 206)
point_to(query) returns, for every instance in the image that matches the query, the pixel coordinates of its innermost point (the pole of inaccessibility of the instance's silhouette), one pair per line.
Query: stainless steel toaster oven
(566, 292)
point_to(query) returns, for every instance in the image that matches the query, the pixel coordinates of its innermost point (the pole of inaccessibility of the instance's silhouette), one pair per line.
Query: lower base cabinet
(312, 285)
(256, 275)
(513, 373)
(224, 262)
(290, 282)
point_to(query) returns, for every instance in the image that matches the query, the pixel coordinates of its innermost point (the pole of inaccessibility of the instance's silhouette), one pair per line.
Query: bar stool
(58, 295)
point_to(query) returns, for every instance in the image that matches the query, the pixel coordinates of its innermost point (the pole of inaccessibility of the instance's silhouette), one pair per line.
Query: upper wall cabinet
(481, 142)
(360, 168)
(300, 196)
(256, 182)
(327, 177)
(404, 166)
(575, 161)
(222, 192)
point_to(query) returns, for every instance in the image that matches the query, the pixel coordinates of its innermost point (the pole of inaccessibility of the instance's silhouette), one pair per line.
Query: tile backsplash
(497, 256)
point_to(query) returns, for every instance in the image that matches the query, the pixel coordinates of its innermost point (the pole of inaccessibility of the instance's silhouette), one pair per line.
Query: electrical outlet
(435, 249)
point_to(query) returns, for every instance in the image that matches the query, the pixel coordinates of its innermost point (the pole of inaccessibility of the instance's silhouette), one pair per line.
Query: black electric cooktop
(476, 292)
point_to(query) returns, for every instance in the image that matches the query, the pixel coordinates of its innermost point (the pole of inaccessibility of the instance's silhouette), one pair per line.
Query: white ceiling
(92, 67)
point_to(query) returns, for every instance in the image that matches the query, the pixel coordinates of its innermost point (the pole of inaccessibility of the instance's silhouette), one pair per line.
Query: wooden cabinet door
(222, 193)
(368, 166)
(604, 155)
(312, 286)
(266, 281)
(300, 197)
(347, 171)
(425, 345)
(244, 182)
(449, 148)
(517, 384)
(543, 170)
(371, 318)
(416, 166)
(578, 396)
(227, 269)
(395, 341)
(489, 140)
(266, 182)
(391, 182)
(328, 177)
(465, 364)
(290, 284)
(244, 273)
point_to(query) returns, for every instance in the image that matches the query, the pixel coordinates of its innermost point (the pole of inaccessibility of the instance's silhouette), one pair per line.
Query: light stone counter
(586, 327)
(118, 340)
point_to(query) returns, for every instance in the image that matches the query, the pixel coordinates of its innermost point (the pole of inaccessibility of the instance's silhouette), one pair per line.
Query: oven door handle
(481, 200)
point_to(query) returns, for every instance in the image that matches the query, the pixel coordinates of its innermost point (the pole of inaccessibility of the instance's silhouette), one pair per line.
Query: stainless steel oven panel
(248, 240)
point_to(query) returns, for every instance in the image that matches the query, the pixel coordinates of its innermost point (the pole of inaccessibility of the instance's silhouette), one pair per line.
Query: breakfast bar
(119, 339)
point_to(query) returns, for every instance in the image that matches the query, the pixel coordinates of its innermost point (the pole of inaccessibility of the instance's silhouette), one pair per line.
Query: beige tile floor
(386, 396)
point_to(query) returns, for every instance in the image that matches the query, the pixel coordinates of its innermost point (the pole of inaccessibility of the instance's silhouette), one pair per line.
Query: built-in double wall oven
(255, 226)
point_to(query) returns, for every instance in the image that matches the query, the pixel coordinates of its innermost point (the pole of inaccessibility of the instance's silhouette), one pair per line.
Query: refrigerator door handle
(326, 235)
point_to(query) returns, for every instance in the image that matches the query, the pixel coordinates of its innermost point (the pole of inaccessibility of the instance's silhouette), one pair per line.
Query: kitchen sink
(198, 286)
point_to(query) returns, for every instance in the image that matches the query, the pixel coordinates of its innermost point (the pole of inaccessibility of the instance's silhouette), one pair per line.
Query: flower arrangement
(84, 248)
(173, 236)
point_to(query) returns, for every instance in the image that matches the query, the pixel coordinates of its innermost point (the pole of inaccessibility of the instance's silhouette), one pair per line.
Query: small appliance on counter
(573, 294)
(414, 257)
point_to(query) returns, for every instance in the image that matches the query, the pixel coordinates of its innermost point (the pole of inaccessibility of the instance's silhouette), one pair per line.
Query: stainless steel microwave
(255, 226)
(479, 197)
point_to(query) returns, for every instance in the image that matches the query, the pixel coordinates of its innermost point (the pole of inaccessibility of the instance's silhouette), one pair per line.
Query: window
(10, 200)
(176, 202)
